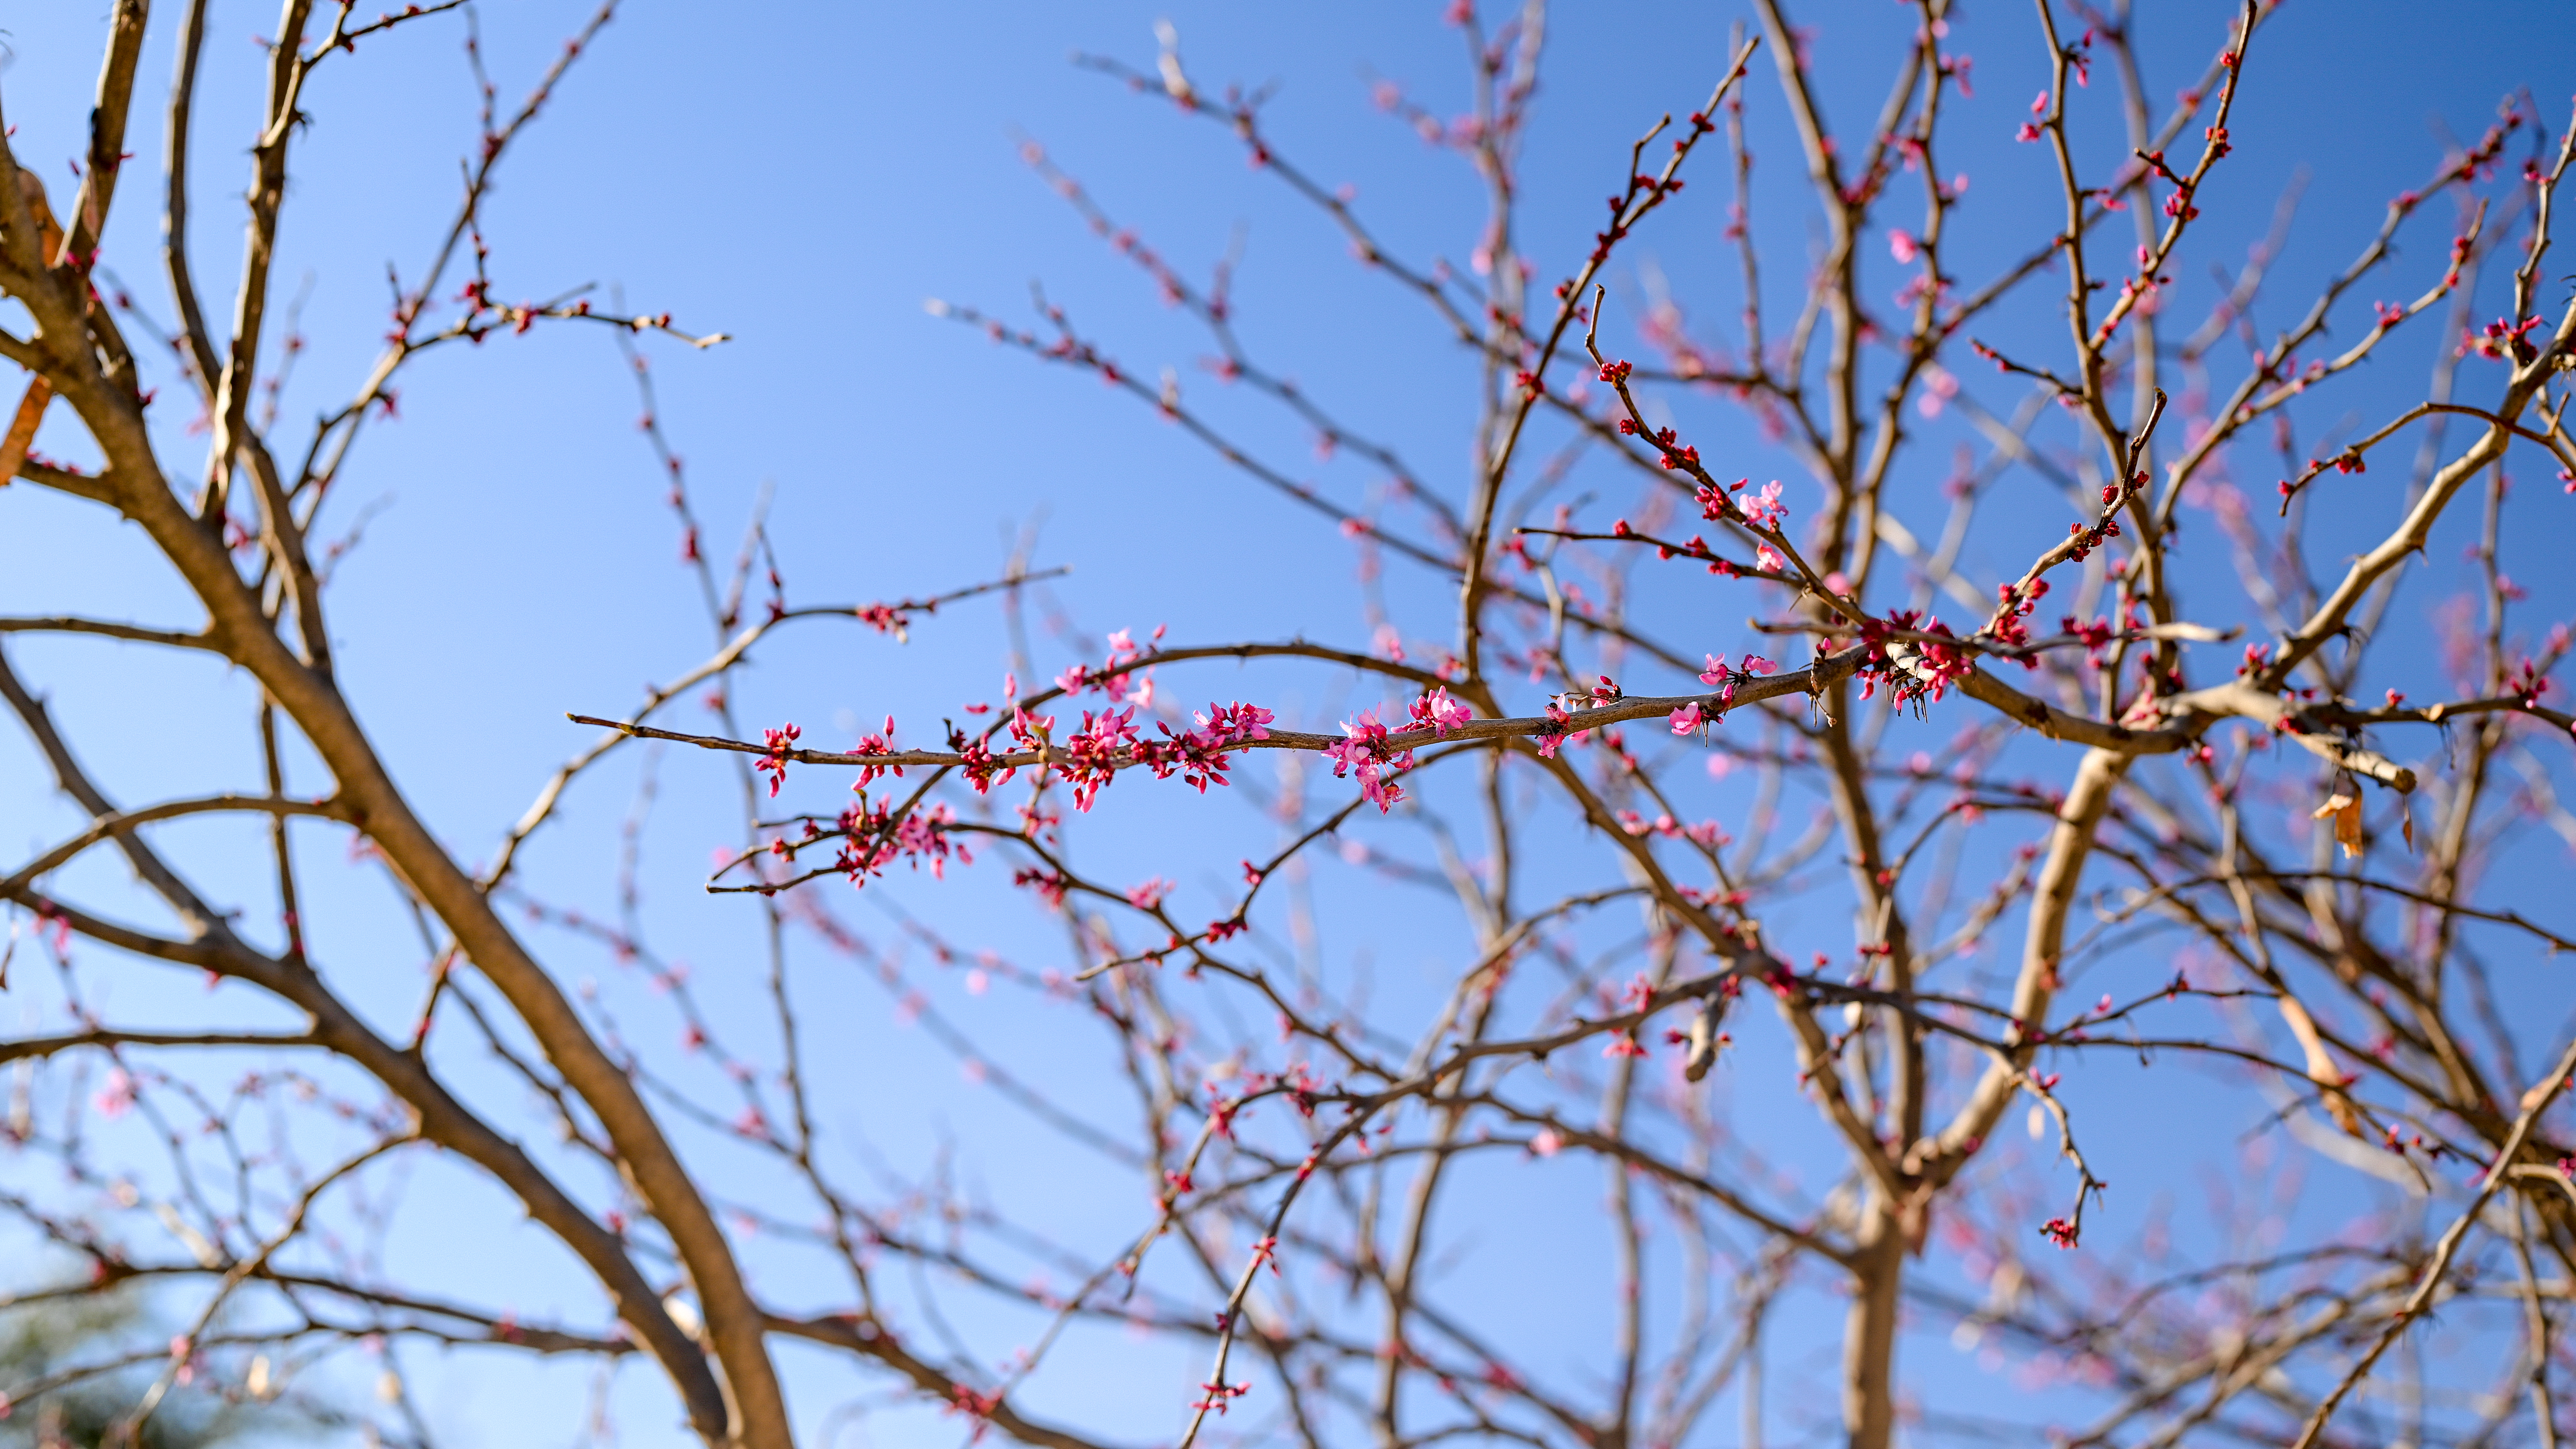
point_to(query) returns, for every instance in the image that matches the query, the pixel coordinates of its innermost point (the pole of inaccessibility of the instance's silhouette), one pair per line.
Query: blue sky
(802, 178)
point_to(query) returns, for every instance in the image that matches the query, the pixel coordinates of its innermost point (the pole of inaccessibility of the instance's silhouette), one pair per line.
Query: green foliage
(45, 1349)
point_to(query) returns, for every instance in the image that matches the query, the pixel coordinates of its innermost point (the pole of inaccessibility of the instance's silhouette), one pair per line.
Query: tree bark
(1869, 1331)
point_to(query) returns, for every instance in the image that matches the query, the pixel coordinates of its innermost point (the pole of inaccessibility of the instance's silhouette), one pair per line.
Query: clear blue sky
(802, 177)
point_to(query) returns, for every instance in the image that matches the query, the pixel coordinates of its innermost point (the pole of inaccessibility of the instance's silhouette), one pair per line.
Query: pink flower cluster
(1764, 509)
(1364, 751)
(1440, 714)
(1368, 752)
(1108, 742)
(880, 744)
(1948, 665)
(1095, 751)
(774, 764)
(876, 839)
(2015, 604)
(1717, 677)
(1199, 756)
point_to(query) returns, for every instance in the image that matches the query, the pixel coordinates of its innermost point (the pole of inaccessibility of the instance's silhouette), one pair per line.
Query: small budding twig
(2350, 460)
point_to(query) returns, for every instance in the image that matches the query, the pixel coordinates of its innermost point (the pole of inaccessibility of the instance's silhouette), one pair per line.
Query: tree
(2197, 780)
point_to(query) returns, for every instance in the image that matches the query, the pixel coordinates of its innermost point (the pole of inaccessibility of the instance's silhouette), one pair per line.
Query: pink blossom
(116, 1097)
(1764, 509)
(1094, 752)
(1901, 245)
(1439, 712)
(774, 764)
(1766, 560)
(1687, 718)
(868, 745)
(874, 839)
(1236, 722)
(1362, 751)
(1199, 756)
(1716, 673)
(1147, 896)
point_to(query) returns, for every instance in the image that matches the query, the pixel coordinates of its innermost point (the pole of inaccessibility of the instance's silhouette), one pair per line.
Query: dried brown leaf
(2321, 1066)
